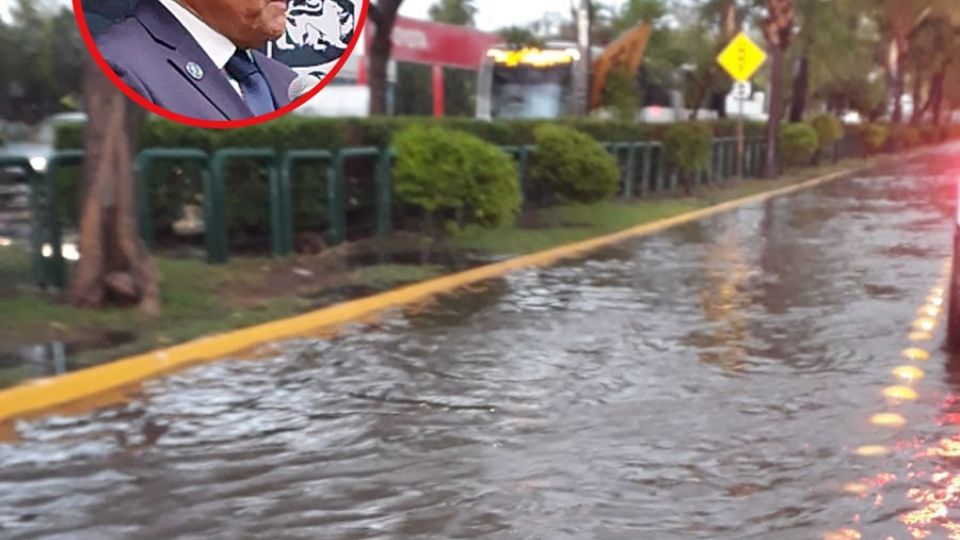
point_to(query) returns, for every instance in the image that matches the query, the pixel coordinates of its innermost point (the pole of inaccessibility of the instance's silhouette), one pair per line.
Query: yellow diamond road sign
(742, 58)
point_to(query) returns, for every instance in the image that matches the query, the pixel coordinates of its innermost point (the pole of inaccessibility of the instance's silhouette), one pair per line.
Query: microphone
(301, 85)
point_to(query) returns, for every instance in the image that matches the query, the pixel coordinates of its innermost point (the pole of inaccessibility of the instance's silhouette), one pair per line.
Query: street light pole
(582, 74)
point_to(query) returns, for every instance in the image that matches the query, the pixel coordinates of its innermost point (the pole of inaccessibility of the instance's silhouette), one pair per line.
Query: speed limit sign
(742, 90)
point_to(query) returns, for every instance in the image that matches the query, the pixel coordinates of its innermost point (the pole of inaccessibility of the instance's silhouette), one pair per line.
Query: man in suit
(199, 58)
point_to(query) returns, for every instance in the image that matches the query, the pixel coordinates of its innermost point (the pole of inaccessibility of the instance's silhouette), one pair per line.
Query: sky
(492, 14)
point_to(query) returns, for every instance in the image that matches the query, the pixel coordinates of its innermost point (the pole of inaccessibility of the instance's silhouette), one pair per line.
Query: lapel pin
(195, 70)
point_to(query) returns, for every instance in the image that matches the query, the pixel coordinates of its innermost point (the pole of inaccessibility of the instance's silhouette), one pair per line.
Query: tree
(694, 50)
(778, 31)
(115, 266)
(934, 45)
(458, 12)
(459, 86)
(823, 29)
(47, 65)
(635, 11)
(518, 36)
(383, 13)
(726, 15)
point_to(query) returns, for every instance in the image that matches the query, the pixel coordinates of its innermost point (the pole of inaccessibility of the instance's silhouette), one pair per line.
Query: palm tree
(459, 12)
(383, 13)
(778, 30)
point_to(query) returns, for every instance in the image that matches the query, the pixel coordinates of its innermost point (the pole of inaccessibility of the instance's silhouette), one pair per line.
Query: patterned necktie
(253, 85)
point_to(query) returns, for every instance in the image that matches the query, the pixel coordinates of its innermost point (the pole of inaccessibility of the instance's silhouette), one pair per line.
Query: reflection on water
(716, 381)
(725, 300)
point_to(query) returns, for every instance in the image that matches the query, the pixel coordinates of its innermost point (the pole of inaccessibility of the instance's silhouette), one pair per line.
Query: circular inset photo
(221, 63)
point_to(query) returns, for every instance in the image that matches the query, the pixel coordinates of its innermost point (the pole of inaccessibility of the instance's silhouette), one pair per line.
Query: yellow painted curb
(42, 394)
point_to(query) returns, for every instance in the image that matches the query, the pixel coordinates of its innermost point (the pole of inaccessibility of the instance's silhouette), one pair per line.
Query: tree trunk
(729, 23)
(899, 81)
(384, 17)
(917, 98)
(936, 96)
(801, 85)
(115, 266)
(776, 111)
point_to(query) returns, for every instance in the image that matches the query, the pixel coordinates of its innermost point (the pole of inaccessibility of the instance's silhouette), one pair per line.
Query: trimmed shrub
(874, 137)
(951, 132)
(686, 146)
(829, 129)
(904, 137)
(442, 171)
(930, 134)
(571, 166)
(798, 143)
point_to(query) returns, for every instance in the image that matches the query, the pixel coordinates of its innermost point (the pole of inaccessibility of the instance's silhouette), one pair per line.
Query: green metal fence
(644, 173)
(55, 272)
(142, 168)
(334, 189)
(37, 211)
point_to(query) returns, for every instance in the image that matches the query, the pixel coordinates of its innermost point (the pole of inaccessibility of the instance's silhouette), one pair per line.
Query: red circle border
(213, 124)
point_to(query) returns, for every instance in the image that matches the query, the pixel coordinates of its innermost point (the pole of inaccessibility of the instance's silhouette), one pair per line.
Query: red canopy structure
(438, 45)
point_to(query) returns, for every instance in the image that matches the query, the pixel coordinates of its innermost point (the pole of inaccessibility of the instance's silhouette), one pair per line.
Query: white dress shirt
(217, 46)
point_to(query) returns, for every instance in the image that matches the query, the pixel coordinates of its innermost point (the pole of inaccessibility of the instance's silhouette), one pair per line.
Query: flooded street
(716, 381)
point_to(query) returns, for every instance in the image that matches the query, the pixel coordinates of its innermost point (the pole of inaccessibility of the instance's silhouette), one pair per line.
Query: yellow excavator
(537, 82)
(625, 52)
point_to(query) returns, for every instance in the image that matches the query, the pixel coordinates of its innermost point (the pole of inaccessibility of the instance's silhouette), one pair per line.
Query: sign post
(741, 59)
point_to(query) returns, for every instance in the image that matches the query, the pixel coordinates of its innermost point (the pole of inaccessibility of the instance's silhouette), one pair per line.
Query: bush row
(451, 170)
(294, 132)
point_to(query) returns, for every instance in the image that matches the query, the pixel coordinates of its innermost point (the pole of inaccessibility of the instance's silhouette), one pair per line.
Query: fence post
(384, 192)
(722, 159)
(629, 184)
(58, 267)
(661, 178)
(36, 241)
(286, 206)
(217, 248)
(141, 172)
(277, 222)
(338, 218)
(645, 169)
(525, 151)
(521, 154)
(214, 213)
(288, 160)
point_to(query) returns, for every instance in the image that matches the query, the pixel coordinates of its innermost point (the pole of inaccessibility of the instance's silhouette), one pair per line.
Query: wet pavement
(716, 381)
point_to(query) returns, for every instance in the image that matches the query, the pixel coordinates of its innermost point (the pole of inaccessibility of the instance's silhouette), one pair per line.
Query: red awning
(426, 42)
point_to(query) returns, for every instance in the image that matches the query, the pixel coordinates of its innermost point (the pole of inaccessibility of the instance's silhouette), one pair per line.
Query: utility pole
(581, 87)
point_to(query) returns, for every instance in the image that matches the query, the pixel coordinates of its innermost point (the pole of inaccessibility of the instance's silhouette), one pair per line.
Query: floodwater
(716, 381)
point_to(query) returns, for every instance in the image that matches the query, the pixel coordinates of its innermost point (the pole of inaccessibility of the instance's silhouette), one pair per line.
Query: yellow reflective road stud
(742, 58)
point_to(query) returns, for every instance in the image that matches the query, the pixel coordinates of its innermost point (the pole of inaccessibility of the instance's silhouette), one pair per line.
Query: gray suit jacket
(151, 51)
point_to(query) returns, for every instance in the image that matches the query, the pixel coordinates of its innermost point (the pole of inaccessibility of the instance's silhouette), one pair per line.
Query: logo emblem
(195, 70)
(318, 33)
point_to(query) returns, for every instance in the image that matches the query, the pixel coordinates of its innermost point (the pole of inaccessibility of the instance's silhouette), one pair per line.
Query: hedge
(686, 146)
(294, 132)
(829, 129)
(798, 143)
(172, 186)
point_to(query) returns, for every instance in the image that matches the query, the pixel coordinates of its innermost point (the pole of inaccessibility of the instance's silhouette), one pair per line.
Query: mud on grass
(198, 299)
